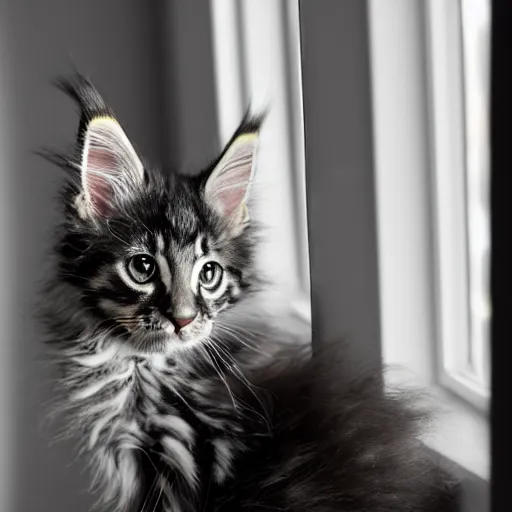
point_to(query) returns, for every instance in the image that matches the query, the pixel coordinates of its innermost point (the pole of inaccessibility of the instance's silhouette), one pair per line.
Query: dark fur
(306, 434)
(339, 443)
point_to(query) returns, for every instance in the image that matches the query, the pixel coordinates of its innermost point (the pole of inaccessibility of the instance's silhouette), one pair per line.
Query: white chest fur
(119, 402)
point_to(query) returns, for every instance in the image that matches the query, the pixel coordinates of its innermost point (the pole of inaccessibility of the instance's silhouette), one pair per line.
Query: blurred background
(372, 183)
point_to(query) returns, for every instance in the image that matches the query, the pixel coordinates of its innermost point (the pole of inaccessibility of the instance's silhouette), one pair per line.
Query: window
(429, 110)
(430, 67)
(458, 56)
(257, 65)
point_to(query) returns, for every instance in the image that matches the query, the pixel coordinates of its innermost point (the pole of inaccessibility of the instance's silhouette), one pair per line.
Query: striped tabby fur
(177, 407)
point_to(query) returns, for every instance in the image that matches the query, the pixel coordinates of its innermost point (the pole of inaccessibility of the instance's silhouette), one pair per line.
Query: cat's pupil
(143, 264)
(208, 272)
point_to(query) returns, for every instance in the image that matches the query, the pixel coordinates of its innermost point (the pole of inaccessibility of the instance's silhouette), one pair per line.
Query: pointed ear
(111, 171)
(227, 187)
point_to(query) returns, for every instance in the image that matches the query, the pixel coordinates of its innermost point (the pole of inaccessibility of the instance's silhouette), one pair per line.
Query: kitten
(175, 409)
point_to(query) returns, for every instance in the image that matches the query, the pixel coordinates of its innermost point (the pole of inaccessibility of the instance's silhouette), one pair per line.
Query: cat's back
(338, 443)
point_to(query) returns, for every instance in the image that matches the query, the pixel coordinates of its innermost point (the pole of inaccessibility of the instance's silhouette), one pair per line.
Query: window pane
(476, 37)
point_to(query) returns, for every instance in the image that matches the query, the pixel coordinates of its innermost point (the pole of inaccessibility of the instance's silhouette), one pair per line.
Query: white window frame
(457, 330)
(476, 18)
(418, 136)
(265, 74)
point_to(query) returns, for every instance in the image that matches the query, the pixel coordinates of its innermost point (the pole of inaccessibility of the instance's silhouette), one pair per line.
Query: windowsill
(459, 433)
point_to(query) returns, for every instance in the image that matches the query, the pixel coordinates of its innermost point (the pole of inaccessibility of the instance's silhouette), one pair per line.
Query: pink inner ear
(232, 189)
(100, 162)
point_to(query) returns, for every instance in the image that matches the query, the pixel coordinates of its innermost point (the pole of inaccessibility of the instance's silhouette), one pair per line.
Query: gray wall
(113, 42)
(189, 86)
(339, 174)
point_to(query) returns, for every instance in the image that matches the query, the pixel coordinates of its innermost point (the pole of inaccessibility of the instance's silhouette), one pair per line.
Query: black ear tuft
(111, 172)
(80, 89)
(89, 101)
(251, 123)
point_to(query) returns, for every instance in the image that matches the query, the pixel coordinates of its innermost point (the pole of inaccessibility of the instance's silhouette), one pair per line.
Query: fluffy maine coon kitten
(173, 412)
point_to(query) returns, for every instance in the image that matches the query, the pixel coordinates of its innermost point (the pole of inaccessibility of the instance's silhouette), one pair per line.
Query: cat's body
(129, 410)
(176, 409)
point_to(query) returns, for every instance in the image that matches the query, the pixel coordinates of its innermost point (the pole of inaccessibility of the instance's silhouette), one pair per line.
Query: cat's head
(155, 256)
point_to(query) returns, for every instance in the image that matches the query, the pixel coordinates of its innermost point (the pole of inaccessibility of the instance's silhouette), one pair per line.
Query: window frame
(449, 161)
(478, 141)
(247, 75)
(422, 285)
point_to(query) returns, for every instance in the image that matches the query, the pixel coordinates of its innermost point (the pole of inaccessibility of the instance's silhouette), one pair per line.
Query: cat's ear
(111, 171)
(227, 187)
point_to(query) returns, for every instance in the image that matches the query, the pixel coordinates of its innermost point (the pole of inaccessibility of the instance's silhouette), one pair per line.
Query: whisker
(219, 373)
(109, 227)
(237, 337)
(150, 492)
(241, 377)
(173, 389)
(159, 496)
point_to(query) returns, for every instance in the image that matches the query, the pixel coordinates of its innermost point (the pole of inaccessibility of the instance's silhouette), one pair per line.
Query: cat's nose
(180, 323)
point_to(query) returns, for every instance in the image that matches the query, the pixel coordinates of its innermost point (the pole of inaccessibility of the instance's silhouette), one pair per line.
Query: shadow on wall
(114, 43)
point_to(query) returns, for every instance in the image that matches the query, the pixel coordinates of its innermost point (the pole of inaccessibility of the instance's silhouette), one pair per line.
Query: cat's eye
(141, 268)
(210, 276)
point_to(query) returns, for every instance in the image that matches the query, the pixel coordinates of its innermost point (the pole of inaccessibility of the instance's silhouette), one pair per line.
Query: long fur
(230, 420)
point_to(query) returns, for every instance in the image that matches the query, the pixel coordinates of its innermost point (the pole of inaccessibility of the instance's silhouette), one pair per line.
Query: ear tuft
(81, 90)
(111, 171)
